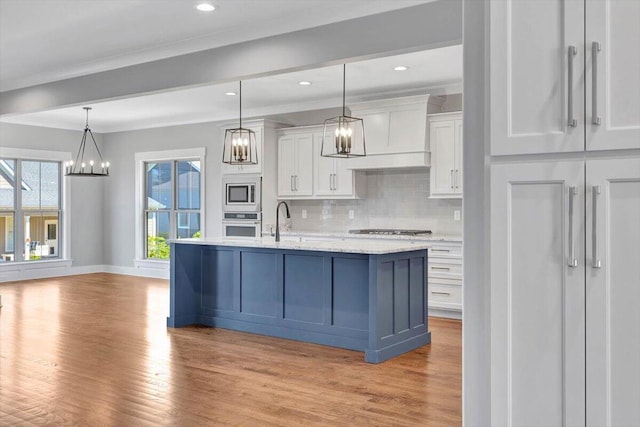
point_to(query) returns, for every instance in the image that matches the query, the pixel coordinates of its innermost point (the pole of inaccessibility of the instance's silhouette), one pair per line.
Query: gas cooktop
(392, 232)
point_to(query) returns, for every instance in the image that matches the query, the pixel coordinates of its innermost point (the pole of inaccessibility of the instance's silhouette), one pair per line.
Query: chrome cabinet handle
(335, 181)
(595, 191)
(451, 179)
(441, 293)
(433, 267)
(330, 181)
(595, 48)
(456, 178)
(295, 182)
(440, 250)
(291, 183)
(572, 261)
(571, 121)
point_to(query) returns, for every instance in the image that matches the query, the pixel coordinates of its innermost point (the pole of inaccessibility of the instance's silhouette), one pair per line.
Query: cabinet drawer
(448, 294)
(444, 249)
(444, 268)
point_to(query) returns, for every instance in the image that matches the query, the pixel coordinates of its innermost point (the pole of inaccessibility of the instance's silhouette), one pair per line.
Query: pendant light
(343, 135)
(240, 143)
(84, 164)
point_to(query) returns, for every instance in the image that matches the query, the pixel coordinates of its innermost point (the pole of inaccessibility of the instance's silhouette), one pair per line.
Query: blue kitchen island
(363, 296)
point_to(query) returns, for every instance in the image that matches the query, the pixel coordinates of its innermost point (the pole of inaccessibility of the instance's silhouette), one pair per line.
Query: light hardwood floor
(94, 350)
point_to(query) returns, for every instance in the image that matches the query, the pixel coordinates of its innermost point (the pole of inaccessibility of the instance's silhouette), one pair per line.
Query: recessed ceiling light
(230, 93)
(205, 7)
(304, 83)
(400, 68)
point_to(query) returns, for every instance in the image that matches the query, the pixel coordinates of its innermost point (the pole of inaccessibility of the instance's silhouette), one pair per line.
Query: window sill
(157, 264)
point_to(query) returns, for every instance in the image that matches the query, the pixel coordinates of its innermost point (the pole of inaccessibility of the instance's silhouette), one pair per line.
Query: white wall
(119, 213)
(86, 194)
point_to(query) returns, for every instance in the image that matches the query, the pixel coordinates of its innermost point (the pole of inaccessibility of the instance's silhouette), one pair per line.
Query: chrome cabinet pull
(595, 191)
(335, 186)
(441, 293)
(595, 48)
(451, 179)
(295, 182)
(433, 267)
(571, 121)
(572, 261)
(440, 250)
(330, 181)
(291, 182)
(456, 178)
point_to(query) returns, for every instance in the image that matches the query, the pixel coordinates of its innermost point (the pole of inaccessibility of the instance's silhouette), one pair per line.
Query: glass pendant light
(240, 143)
(343, 135)
(84, 164)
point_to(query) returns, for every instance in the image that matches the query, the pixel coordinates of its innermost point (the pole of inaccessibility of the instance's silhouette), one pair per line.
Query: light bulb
(102, 165)
(235, 142)
(107, 164)
(337, 132)
(246, 142)
(83, 165)
(349, 131)
(91, 162)
(70, 162)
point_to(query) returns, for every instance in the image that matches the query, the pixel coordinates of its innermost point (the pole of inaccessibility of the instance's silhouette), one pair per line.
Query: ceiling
(79, 37)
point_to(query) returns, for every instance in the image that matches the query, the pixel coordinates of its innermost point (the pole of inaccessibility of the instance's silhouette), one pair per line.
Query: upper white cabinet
(333, 178)
(304, 173)
(295, 164)
(446, 155)
(395, 133)
(543, 98)
(612, 73)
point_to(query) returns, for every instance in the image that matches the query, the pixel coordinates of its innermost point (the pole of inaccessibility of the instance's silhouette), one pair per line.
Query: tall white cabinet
(565, 214)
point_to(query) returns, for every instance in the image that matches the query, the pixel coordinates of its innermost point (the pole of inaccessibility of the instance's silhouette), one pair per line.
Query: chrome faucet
(278, 218)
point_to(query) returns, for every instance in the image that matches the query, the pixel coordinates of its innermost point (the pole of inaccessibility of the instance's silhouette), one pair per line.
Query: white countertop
(346, 235)
(348, 246)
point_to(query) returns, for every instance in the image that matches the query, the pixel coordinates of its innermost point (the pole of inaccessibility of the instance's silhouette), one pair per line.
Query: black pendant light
(240, 143)
(343, 135)
(84, 164)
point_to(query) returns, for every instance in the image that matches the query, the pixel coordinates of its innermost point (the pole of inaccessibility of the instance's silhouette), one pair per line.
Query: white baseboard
(157, 273)
(28, 271)
(448, 314)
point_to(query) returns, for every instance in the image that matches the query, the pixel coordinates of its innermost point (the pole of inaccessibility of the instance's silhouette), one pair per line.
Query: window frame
(142, 209)
(63, 231)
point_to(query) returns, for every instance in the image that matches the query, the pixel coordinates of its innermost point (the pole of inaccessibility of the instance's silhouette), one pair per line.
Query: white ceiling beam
(427, 26)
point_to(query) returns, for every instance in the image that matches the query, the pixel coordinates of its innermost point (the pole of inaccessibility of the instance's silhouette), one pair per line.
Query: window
(172, 203)
(29, 209)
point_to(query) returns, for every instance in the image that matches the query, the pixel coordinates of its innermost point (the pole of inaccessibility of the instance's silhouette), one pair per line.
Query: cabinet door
(286, 165)
(342, 178)
(457, 164)
(613, 74)
(303, 176)
(613, 292)
(442, 139)
(537, 299)
(324, 169)
(530, 93)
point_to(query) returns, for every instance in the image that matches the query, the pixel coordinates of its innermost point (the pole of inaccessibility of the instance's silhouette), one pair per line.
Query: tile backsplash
(394, 199)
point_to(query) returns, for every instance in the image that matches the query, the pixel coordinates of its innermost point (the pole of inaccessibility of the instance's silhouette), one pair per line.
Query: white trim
(156, 273)
(140, 159)
(27, 154)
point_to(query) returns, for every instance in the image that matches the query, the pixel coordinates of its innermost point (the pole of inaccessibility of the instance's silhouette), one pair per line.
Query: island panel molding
(375, 303)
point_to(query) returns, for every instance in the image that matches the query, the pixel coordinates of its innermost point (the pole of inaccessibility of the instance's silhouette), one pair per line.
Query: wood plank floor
(94, 350)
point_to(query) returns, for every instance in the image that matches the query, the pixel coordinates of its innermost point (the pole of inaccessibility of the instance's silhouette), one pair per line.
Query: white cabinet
(543, 98)
(613, 292)
(395, 133)
(333, 178)
(445, 279)
(295, 164)
(612, 74)
(560, 273)
(304, 174)
(446, 155)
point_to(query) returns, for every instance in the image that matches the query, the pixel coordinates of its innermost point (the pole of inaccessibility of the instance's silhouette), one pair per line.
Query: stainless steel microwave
(242, 194)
